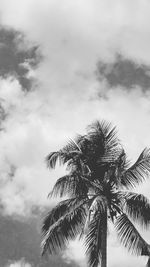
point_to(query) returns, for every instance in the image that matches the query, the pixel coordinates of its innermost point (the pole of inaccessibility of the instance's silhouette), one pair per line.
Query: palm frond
(93, 239)
(71, 151)
(82, 142)
(130, 237)
(63, 156)
(90, 205)
(93, 242)
(120, 166)
(72, 184)
(94, 185)
(74, 144)
(148, 263)
(52, 159)
(77, 164)
(111, 137)
(105, 143)
(137, 207)
(102, 131)
(100, 127)
(61, 226)
(56, 213)
(138, 171)
(63, 186)
(98, 203)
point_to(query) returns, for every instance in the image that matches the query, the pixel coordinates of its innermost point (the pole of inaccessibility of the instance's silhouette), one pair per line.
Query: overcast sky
(64, 64)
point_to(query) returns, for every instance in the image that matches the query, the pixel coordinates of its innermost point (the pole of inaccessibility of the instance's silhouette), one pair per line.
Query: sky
(64, 64)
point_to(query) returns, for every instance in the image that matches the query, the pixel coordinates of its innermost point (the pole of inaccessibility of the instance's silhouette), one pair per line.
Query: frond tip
(130, 237)
(62, 224)
(138, 171)
(137, 207)
(52, 159)
(104, 132)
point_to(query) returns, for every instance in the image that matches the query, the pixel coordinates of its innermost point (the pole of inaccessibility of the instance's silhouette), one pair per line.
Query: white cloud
(75, 32)
(24, 143)
(76, 251)
(20, 263)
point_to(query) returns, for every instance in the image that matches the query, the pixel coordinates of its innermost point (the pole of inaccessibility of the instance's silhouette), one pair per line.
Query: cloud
(90, 29)
(24, 131)
(21, 263)
(125, 73)
(18, 57)
(20, 240)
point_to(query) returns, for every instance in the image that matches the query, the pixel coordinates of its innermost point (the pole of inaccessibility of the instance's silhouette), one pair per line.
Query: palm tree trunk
(104, 242)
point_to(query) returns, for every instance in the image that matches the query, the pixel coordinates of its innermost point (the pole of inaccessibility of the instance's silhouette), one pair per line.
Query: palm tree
(96, 186)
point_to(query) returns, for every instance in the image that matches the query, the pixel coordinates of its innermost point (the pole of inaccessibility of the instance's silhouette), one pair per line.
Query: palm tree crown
(96, 187)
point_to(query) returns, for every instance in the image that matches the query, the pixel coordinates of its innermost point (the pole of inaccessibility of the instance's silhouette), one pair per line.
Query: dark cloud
(124, 72)
(3, 115)
(16, 57)
(20, 238)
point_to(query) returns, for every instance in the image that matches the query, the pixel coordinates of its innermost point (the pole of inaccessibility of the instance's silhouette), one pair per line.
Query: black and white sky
(64, 64)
